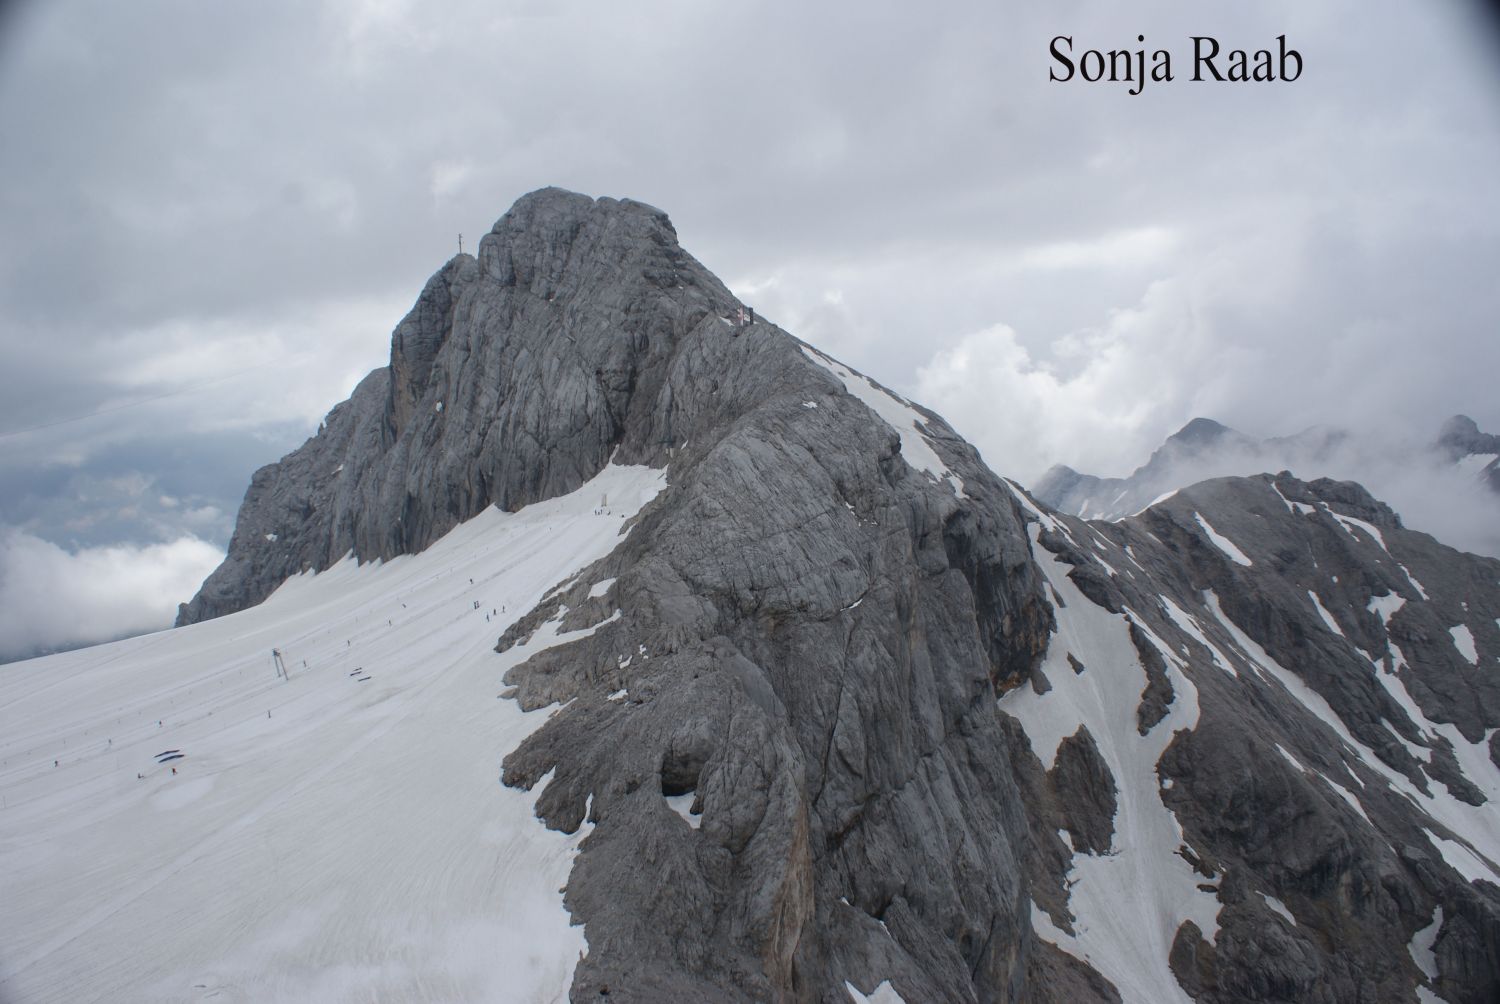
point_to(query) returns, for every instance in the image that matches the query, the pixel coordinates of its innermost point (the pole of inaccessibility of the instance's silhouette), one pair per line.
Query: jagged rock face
(809, 639)
(844, 706)
(810, 631)
(513, 379)
(1342, 677)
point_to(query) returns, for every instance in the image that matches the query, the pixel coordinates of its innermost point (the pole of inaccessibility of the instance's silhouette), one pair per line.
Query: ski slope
(341, 834)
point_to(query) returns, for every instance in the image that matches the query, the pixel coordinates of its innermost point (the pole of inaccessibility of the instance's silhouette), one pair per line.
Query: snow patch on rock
(1223, 543)
(1277, 906)
(883, 994)
(899, 414)
(1463, 640)
(1143, 868)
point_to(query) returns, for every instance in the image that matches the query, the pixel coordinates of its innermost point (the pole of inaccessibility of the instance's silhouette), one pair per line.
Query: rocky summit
(847, 716)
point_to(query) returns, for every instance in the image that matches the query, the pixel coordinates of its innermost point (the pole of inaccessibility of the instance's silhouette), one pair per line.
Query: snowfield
(341, 834)
(1142, 869)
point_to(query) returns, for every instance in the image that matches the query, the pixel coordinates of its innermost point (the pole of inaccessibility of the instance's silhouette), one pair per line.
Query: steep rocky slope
(855, 711)
(1336, 782)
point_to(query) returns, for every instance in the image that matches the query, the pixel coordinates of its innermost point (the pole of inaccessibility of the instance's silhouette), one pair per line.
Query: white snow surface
(1142, 869)
(1463, 640)
(1279, 907)
(1422, 942)
(683, 806)
(883, 994)
(1333, 625)
(1156, 501)
(898, 414)
(1223, 543)
(1464, 861)
(1026, 503)
(1385, 606)
(1414, 583)
(1293, 507)
(339, 835)
(1190, 627)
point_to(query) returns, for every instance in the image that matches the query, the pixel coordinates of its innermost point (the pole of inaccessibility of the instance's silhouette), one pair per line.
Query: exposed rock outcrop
(851, 709)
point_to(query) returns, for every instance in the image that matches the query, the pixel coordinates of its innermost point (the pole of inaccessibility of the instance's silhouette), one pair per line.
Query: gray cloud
(216, 213)
(52, 599)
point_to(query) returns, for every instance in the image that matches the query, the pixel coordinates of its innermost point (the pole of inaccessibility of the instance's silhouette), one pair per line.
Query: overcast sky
(214, 214)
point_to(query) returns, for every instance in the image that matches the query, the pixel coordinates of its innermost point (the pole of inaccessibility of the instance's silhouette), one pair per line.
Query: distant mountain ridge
(1205, 448)
(1473, 450)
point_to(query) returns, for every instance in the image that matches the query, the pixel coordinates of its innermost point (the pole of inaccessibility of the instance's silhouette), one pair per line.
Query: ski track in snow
(1143, 868)
(899, 415)
(356, 844)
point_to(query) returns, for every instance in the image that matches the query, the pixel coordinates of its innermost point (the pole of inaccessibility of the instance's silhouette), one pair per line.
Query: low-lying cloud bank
(52, 599)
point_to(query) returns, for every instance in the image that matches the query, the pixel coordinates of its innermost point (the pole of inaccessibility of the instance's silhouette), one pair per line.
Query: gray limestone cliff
(882, 687)
(827, 625)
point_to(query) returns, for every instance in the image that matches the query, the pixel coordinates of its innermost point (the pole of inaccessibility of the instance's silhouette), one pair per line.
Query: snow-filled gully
(1143, 868)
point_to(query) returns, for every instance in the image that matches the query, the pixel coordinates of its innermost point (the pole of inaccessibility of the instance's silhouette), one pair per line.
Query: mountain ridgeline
(931, 735)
